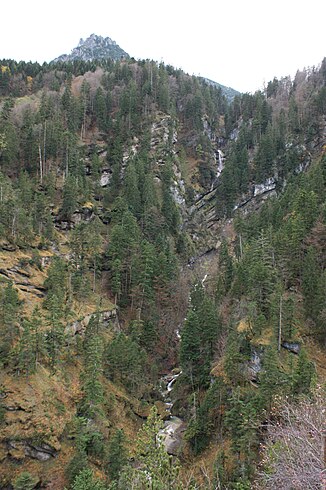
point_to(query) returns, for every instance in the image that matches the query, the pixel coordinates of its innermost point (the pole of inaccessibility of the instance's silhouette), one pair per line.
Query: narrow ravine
(173, 426)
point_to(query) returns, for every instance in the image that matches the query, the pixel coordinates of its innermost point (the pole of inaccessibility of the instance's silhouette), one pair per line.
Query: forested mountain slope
(137, 206)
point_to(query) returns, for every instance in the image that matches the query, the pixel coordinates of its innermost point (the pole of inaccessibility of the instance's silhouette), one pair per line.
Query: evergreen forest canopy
(137, 202)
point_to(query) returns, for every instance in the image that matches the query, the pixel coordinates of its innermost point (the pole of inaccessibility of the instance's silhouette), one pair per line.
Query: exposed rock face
(84, 214)
(34, 417)
(172, 432)
(254, 365)
(172, 435)
(178, 192)
(128, 154)
(94, 48)
(291, 346)
(26, 271)
(105, 178)
(20, 449)
(78, 327)
(22, 280)
(160, 131)
(253, 200)
(267, 186)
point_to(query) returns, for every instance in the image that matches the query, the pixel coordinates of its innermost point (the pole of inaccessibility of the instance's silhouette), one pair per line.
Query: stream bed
(173, 426)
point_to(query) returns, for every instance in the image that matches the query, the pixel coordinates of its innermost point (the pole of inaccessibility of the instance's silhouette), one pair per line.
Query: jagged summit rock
(94, 48)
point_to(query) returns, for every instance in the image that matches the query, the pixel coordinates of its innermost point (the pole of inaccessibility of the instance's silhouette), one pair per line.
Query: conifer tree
(304, 374)
(199, 333)
(265, 156)
(125, 362)
(155, 461)
(272, 379)
(56, 284)
(293, 116)
(312, 285)
(132, 194)
(116, 268)
(117, 454)
(93, 367)
(25, 481)
(26, 355)
(93, 390)
(101, 109)
(226, 264)
(190, 350)
(169, 209)
(242, 420)
(146, 274)
(85, 480)
(69, 201)
(208, 420)
(149, 197)
(54, 337)
(124, 247)
(9, 315)
(79, 461)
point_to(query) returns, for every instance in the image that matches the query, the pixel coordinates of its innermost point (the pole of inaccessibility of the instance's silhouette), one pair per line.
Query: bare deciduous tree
(293, 454)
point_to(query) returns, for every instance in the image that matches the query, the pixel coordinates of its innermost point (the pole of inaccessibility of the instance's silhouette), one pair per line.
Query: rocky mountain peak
(93, 41)
(93, 48)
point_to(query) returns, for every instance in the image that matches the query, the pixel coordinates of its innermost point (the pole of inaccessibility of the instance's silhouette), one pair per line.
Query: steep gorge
(132, 207)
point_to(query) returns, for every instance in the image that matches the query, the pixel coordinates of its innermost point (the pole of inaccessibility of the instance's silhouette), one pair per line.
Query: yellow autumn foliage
(29, 81)
(243, 326)
(5, 69)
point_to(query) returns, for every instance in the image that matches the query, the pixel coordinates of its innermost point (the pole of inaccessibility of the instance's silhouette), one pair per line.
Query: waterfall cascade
(220, 162)
(170, 433)
(219, 166)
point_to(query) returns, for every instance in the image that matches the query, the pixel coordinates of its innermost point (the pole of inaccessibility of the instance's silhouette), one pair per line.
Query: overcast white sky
(238, 43)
